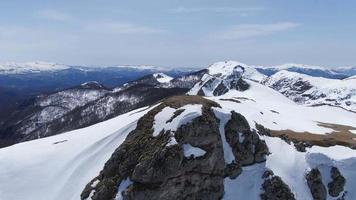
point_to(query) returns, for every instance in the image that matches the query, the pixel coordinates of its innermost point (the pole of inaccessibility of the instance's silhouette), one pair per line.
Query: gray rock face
(233, 170)
(336, 186)
(220, 89)
(161, 171)
(246, 145)
(275, 189)
(316, 185)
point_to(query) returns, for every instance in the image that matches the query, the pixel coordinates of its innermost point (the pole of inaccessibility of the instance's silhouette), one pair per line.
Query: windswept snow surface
(247, 185)
(160, 123)
(292, 165)
(59, 167)
(268, 107)
(265, 106)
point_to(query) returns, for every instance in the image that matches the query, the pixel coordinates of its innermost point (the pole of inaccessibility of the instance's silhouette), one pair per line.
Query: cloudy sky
(179, 33)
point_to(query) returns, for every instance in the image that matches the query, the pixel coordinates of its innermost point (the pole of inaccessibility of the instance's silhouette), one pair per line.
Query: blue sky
(179, 33)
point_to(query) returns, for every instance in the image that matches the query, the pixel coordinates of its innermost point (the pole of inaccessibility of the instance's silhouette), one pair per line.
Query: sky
(179, 33)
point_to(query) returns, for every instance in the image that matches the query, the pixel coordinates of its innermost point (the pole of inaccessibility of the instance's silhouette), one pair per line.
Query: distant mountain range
(316, 71)
(21, 81)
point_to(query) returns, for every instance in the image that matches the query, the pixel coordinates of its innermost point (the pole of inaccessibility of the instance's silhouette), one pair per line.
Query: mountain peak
(226, 68)
(162, 78)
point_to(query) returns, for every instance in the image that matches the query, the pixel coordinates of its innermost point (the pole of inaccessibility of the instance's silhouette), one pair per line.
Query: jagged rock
(316, 185)
(262, 130)
(301, 146)
(246, 144)
(275, 189)
(220, 89)
(239, 84)
(159, 171)
(233, 170)
(268, 173)
(336, 186)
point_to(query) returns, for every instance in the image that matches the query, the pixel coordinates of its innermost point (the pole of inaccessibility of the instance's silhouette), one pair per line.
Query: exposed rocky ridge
(309, 90)
(157, 170)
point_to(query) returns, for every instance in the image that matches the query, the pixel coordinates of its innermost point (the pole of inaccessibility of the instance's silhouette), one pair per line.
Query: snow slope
(310, 90)
(270, 108)
(59, 167)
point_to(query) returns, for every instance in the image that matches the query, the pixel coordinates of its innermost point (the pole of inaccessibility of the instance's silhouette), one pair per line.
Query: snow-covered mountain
(41, 66)
(30, 67)
(316, 71)
(191, 147)
(21, 81)
(310, 90)
(224, 76)
(243, 141)
(86, 104)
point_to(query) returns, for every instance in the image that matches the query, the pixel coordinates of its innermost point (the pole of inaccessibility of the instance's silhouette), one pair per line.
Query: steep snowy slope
(310, 90)
(58, 167)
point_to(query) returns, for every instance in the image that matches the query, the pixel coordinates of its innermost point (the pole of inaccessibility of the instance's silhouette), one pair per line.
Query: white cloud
(244, 31)
(55, 15)
(242, 11)
(120, 28)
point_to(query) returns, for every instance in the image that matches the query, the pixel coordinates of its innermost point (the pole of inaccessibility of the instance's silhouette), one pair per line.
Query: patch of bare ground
(182, 100)
(232, 100)
(244, 99)
(341, 135)
(324, 104)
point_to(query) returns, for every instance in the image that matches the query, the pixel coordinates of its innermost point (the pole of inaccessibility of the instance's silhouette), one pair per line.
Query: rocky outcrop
(274, 188)
(316, 185)
(299, 145)
(158, 169)
(161, 171)
(246, 144)
(336, 186)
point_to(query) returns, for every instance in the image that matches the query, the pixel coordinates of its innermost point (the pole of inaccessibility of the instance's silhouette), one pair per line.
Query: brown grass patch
(179, 101)
(341, 135)
(232, 100)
